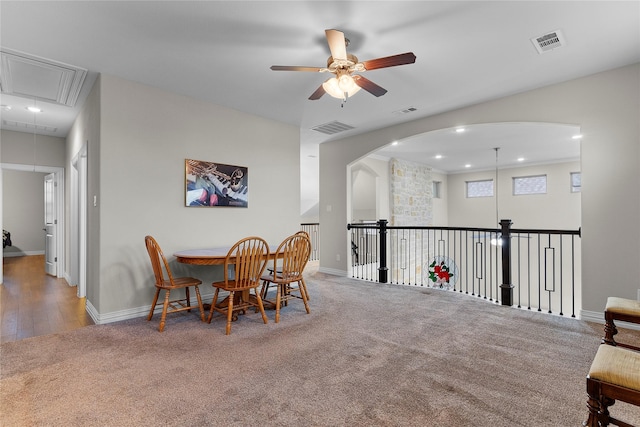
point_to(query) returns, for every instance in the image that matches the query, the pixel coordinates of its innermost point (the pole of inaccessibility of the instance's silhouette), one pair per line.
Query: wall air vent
(332, 128)
(549, 41)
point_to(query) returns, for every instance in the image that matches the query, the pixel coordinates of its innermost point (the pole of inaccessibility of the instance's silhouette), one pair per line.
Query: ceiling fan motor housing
(350, 64)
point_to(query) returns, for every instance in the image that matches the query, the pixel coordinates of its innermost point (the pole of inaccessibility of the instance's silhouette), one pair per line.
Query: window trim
(572, 187)
(466, 188)
(513, 184)
(436, 189)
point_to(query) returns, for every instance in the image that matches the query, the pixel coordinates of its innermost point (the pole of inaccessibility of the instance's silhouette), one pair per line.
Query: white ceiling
(220, 51)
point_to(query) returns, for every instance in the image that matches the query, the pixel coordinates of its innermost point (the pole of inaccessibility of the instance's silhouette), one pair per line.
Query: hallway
(33, 303)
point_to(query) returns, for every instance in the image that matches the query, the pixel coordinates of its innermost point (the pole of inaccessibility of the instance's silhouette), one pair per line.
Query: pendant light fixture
(497, 241)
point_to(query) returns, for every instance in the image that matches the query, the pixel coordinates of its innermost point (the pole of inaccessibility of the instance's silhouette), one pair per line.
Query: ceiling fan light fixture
(343, 64)
(341, 87)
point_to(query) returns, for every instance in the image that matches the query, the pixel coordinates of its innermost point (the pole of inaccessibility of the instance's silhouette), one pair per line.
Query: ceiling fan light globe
(338, 88)
(347, 84)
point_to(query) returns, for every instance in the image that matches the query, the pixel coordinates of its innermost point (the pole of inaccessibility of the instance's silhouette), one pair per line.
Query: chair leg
(278, 301)
(213, 305)
(186, 294)
(304, 285)
(305, 297)
(229, 312)
(153, 304)
(200, 304)
(264, 315)
(286, 291)
(167, 292)
(264, 289)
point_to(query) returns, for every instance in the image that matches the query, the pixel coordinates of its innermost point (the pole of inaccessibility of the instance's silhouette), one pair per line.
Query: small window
(530, 185)
(437, 189)
(576, 182)
(482, 188)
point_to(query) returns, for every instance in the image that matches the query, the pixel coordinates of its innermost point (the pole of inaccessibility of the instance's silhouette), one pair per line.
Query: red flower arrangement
(439, 272)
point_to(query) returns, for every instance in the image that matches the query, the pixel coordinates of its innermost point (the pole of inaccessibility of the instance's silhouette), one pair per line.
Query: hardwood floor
(33, 303)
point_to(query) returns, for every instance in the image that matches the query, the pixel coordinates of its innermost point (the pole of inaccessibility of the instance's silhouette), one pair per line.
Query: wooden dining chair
(165, 281)
(265, 284)
(288, 270)
(248, 257)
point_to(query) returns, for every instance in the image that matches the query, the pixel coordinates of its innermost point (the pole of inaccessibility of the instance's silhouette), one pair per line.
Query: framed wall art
(215, 184)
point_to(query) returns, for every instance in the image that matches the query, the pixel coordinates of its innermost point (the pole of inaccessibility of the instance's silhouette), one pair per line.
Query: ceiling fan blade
(293, 68)
(390, 61)
(369, 86)
(337, 44)
(317, 94)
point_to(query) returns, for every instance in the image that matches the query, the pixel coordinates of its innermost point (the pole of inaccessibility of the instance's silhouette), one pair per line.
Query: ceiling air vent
(405, 111)
(549, 41)
(34, 77)
(332, 128)
(28, 126)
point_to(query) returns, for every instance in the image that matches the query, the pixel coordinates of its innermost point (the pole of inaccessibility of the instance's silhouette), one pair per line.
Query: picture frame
(210, 184)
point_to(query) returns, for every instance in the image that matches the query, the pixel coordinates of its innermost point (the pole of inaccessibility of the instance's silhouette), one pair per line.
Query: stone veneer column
(411, 193)
(411, 189)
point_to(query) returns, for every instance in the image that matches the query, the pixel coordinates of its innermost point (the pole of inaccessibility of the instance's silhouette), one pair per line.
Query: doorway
(58, 197)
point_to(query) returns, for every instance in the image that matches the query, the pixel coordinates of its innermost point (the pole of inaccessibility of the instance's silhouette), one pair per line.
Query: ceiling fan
(344, 65)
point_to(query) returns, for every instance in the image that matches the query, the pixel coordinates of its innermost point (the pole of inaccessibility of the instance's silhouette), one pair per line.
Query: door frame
(78, 244)
(58, 179)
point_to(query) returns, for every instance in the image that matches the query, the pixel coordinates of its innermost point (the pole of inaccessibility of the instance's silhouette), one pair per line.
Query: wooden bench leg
(593, 404)
(598, 406)
(609, 329)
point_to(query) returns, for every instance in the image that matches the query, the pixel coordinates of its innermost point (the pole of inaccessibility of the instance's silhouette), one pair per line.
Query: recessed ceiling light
(460, 130)
(467, 165)
(394, 143)
(34, 109)
(438, 156)
(576, 137)
(521, 159)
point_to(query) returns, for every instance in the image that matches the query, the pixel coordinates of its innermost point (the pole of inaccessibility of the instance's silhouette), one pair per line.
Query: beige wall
(145, 135)
(370, 189)
(558, 209)
(606, 106)
(440, 205)
(23, 211)
(85, 132)
(26, 149)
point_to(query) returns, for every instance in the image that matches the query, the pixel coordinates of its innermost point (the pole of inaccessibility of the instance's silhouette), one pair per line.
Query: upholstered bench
(626, 310)
(614, 375)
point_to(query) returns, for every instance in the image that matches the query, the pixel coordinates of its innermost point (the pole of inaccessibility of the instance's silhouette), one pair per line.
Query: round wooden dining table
(212, 256)
(217, 256)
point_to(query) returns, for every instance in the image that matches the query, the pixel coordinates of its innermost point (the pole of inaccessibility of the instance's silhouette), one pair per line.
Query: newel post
(382, 244)
(506, 286)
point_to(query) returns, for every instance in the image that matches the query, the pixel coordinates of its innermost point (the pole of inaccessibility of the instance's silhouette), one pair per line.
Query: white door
(50, 221)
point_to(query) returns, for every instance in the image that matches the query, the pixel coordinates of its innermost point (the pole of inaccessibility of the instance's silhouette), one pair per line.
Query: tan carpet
(367, 355)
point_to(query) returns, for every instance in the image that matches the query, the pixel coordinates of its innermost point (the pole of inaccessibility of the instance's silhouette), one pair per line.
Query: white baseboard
(131, 313)
(11, 254)
(598, 317)
(592, 316)
(66, 277)
(332, 271)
